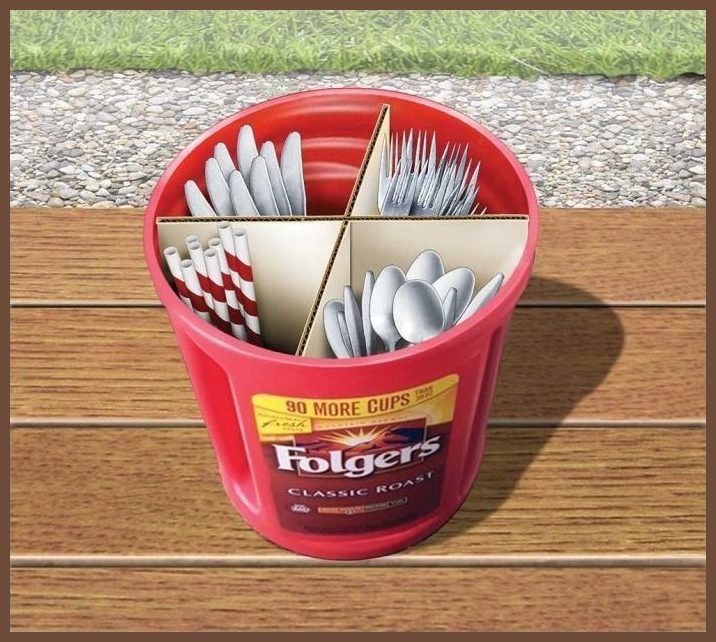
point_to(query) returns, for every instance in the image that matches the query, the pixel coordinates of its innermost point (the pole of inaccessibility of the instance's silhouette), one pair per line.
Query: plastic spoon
(268, 153)
(486, 292)
(368, 283)
(218, 189)
(449, 309)
(246, 151)
(331, 325)
(418, 311)
(354, 322)
(381, 305)
(344, 333)
(427, 266)
(463, 280)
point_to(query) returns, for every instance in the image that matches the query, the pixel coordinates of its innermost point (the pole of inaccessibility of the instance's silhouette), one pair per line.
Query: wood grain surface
(604, 255)
(135, 491)
(596, 451)
(340, 599)
(575, 364)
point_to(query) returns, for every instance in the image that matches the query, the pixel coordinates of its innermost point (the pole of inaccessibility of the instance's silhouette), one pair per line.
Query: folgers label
(356, 465)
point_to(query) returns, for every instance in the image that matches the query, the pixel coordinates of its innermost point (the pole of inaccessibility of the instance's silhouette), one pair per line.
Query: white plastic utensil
(268, 153)
(368, 283)
(486, 292)
(344, 333)
(427, 266)
(354, 321)
(226, 163)
(218, 189)
(260, 188)
(292, 173)
(463, 280)
(449, 309)
(196, 201)
(418, 311)
(246, 151)
(241, 199)
(381, 305)
(331, 325)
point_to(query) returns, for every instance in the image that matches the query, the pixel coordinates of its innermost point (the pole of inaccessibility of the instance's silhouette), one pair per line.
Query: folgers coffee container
(347, 458)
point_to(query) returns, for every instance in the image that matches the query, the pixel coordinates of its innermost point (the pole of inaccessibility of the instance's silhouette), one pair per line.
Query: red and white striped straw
(248, 294)
(171, 254)
(227, 241)
(196, 294)
(235, 315)
(217, 290)
(197, 256)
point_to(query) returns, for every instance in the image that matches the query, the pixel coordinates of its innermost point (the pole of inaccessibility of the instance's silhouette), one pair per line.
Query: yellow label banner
(276, 415)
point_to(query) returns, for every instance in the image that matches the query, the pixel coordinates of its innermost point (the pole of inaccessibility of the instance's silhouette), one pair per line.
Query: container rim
(499, 305)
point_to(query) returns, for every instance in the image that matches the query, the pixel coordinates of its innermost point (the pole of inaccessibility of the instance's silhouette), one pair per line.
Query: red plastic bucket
(228, 375)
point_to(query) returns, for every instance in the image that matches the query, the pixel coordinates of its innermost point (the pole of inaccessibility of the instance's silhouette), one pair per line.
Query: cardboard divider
(289, 258)
(301, 263)
(364, 199)
(486, 245)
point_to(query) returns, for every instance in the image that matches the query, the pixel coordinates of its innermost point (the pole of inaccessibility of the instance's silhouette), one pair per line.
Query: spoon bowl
(390, 279)
(418, 311)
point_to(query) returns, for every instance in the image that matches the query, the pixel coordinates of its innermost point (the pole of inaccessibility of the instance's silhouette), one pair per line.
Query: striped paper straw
(221, 308)
(197, 256)
(235, 314)
(196, 294)
(248, 294)
(171, 254)
(227, 241)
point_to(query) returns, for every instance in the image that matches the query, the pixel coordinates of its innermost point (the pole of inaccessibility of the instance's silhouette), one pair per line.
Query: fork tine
(396, 152)
(433, 153)
(417, 163)
(425, 148)
(463, 161)
(387, 207)
(384, 176)
(410, 196)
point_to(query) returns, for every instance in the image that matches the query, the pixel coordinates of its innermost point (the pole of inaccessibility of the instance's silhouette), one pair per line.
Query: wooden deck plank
(355, 599)
(135, 491)
(584, 256)
(559, 365)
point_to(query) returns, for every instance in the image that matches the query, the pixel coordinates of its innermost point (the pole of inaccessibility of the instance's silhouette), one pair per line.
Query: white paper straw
(192, 283)
(171, 254)
(251, 313)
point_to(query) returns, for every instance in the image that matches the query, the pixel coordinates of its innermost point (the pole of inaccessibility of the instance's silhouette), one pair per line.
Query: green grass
(661, 44)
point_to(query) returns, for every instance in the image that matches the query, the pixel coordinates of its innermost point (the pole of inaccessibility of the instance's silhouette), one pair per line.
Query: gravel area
(102, 139)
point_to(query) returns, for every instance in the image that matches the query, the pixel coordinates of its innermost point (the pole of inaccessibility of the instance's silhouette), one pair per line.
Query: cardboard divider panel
(289, 258)
(313, 342)
(364, 200)
(486, 245)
